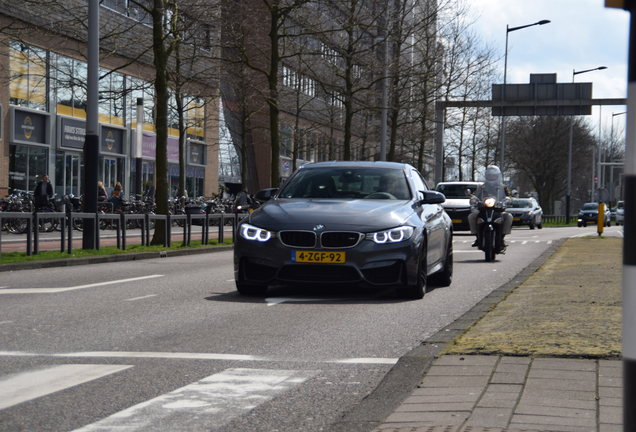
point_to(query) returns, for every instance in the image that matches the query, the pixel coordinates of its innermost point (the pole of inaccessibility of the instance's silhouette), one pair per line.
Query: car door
(432, 217)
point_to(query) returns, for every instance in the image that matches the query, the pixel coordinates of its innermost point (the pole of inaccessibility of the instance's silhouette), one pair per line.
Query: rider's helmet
(493, 176)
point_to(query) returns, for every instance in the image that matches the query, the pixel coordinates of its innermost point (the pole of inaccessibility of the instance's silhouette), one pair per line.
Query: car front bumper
(367, 263)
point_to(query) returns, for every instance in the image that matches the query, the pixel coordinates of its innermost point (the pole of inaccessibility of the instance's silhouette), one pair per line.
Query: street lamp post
(568, 196)
(503, 95)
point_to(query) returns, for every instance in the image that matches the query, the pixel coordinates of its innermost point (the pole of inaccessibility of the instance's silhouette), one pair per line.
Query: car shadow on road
(318, 294)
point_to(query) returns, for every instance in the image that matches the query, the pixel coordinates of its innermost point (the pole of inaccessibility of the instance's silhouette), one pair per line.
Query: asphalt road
(168, 344)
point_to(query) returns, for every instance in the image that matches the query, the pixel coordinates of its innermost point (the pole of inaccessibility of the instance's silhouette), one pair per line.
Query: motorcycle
(490, 225)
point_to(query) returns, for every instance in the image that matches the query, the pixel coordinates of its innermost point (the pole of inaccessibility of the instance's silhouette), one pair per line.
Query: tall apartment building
(331, 53)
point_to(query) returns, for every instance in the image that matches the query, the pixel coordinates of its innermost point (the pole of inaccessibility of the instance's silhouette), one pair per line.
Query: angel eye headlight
(250, 232)
(393, 235)
(490, 202)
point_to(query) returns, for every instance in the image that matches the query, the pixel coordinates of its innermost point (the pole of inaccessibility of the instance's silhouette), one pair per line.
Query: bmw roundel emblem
(319, 227)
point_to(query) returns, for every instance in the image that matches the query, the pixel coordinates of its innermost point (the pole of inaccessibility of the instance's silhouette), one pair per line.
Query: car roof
(359, 164)
(459, 183)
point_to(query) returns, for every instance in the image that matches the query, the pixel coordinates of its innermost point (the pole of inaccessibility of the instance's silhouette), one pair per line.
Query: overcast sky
(582, 34)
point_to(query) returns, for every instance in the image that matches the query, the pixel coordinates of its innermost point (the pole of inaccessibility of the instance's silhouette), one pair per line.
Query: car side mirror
(265, 194)
(432, 197)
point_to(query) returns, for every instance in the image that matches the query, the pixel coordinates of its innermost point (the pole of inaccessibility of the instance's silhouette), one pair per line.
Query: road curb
(132, 256)
(407, 373)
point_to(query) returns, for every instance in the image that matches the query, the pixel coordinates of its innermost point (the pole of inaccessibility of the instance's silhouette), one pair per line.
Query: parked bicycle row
(23, 201)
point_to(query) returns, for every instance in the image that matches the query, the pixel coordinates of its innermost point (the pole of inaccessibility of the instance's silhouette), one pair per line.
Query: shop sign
(112, 140)
(72, 132)
(29, 127)
(196, 154)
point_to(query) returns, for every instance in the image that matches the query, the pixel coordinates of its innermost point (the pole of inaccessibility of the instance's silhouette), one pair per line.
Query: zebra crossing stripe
(205, 405)
(23, 387)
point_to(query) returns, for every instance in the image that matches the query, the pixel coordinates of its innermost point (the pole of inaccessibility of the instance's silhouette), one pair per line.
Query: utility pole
(629, 242)
(91, 143)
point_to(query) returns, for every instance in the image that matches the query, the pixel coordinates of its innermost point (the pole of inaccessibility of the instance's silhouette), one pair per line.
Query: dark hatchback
(589, 214)
(526, 211)
(357, 223)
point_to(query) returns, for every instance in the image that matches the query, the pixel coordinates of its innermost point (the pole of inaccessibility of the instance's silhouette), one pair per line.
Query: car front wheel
(417, 290)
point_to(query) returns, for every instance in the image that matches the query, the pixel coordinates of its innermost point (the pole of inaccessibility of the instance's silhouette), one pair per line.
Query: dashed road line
(22, 387)
(58, 290)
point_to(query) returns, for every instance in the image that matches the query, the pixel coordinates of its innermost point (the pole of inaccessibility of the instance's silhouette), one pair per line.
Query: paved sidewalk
(545, 358)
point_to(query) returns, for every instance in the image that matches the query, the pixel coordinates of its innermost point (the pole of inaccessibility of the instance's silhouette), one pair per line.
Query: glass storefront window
(27, 165)
(27, 76)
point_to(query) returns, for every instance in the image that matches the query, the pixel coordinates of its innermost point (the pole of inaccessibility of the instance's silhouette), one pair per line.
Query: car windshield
(521, 204)
(347, 182)
(590, 206)
(457, 190)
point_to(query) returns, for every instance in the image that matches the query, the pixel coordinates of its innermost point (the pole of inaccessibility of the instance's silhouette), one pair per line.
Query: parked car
(620, 213)
(354, 223)
(526, 211)
(589, 214)
(457, 203)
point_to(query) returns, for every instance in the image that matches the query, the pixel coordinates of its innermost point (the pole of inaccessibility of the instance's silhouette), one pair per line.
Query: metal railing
(120, 223)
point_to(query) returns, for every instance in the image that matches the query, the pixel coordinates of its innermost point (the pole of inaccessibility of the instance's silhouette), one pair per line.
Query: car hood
(518, 210)
(357, 215)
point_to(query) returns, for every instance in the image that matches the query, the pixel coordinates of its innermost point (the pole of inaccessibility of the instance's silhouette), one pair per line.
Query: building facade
(43, 93)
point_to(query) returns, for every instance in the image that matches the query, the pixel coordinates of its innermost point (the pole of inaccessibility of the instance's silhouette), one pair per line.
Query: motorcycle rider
(493, 186)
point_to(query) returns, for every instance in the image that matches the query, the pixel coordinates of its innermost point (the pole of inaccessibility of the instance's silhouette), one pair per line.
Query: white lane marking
(141, 298)
(524, 242)
(272, 301)
(207, 404)
(58, 290)
(26, 386)
(549, 241)
(195, 356)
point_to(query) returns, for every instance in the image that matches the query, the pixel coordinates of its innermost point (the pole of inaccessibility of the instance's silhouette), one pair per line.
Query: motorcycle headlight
(490, 202)
(252, 233)
(393, 235)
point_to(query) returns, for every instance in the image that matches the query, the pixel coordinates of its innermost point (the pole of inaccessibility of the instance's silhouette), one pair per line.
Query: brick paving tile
(562, 374)
(468, 397)
(460, 370)
(553, 420)
(430, 418)
(557, 384)
(491, 417)
(497, 400)
(550, 427)
(548, 411)
(611, 415)
(446, 381)
(610, 427)
(564, 364)
(558, 402)
(559, 394)
(514, 360)
(508, 378)
(611, 401)
(443, 391)
(512, 368)
(505, 388)
(457, 360)
(614, 392)
(607, 381)
(435, 407)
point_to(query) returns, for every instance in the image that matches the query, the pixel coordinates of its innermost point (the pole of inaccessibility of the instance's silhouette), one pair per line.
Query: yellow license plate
(318, 257)
(457, 221)
(516, 219)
